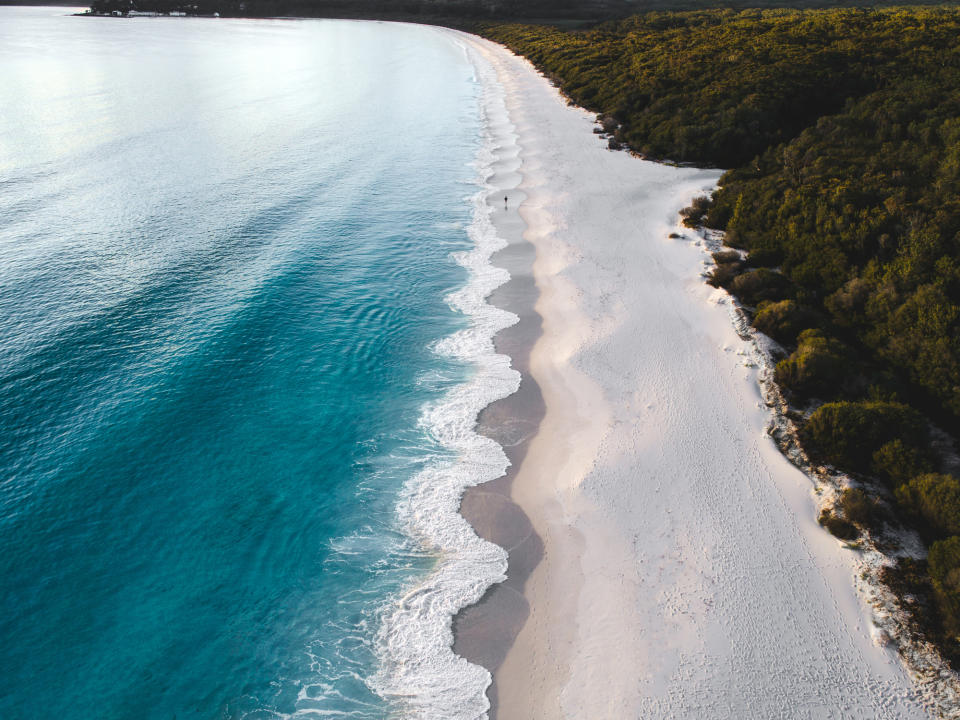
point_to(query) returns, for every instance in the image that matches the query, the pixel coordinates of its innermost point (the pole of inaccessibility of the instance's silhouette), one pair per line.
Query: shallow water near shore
(232, 307)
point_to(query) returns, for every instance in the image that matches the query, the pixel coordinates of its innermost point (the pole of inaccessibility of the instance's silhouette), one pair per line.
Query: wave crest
(419, 671)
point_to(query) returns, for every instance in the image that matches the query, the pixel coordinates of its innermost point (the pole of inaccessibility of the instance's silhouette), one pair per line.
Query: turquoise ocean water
(242, 345)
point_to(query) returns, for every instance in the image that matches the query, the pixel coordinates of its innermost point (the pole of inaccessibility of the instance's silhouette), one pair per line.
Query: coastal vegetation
(450, 12)
(567, 13)
(841, 210)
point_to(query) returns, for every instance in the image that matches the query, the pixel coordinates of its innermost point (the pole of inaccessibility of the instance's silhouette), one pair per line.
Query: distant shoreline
(465, 13)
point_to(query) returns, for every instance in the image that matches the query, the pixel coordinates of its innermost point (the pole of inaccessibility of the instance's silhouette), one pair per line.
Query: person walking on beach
(504, 202)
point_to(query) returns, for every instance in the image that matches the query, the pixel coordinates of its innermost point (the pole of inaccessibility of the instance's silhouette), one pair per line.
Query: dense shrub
(724, 273)
(783, 320)
(817, 367)
(860, 213)
(838, 526)
(726, 256)
(858, 507)
(608, 124)
(847, 434)
(693, 215)
(895, 463)
(944, 564)
(935, 500)
(755, 286)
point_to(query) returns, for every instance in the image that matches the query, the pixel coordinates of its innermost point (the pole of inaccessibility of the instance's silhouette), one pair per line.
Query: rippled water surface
(225, 248)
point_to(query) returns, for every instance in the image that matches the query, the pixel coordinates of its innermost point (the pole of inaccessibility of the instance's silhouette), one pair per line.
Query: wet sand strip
(485, 632)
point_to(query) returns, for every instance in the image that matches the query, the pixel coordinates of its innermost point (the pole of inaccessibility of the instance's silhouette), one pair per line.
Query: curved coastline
(641, 482)
(419, 670)
(484, 632)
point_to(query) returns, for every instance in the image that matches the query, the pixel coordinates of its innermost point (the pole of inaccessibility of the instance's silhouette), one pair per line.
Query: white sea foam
(419, 671)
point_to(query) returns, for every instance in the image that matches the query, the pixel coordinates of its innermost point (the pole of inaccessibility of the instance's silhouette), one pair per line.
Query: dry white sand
(684, 573)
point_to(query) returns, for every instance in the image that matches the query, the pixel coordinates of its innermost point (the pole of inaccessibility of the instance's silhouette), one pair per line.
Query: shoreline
(418, 668)
(484, 632)
(659, 589)
(514, 423)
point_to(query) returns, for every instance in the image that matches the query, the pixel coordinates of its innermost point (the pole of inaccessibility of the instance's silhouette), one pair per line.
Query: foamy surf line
(418, 670)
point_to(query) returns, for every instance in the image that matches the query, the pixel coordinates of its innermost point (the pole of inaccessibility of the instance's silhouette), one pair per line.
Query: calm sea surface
(225, 257)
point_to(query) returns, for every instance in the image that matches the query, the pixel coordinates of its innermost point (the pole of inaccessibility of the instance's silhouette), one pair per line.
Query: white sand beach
(684, 574)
